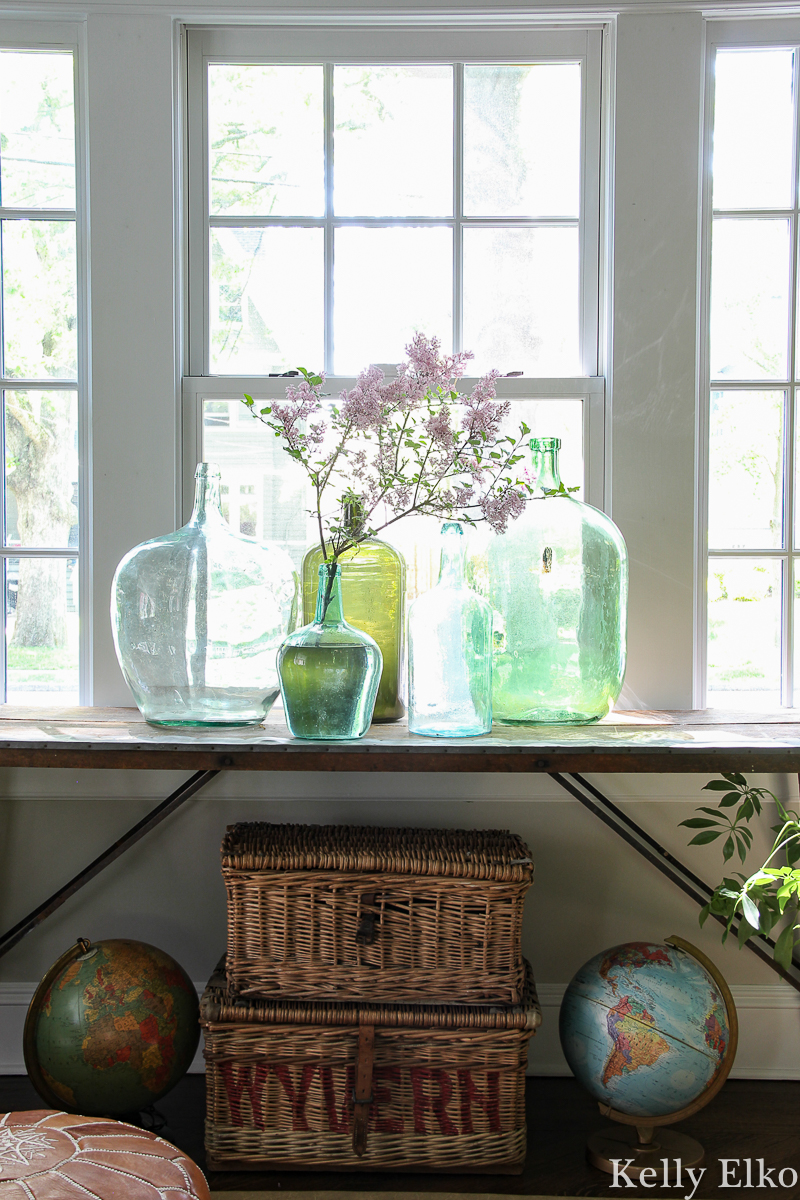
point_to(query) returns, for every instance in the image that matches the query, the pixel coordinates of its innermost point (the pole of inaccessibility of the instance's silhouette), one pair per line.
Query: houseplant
(388, 449)
(769, 898)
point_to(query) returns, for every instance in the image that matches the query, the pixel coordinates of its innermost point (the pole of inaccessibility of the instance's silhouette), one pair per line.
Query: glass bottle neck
(329, 595)
(451, 569)
(545, 464)
(207, 498)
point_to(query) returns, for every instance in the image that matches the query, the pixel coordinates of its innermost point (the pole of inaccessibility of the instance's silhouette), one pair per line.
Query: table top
(704, 741)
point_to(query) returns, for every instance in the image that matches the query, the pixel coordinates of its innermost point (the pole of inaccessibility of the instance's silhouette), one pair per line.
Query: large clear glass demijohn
(558, 583)
(450, 651)
(198, 616)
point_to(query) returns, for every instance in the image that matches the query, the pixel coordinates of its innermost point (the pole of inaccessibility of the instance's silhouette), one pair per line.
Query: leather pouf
(48, 1155)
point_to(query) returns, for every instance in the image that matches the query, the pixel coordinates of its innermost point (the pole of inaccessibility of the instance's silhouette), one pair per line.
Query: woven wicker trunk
(440, 1088)
(398, 916)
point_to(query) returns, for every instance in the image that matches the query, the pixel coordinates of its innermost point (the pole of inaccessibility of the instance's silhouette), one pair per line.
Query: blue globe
(644, 1028)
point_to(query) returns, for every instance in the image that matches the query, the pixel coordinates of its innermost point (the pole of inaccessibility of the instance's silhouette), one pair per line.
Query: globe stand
(644, 1139)
(647, 1149)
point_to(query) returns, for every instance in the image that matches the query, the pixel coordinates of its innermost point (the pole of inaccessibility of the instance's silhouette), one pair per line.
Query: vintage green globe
(113, 1026)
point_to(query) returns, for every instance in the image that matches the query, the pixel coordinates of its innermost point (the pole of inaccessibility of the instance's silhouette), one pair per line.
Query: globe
(646, 1029)
(113, 1026)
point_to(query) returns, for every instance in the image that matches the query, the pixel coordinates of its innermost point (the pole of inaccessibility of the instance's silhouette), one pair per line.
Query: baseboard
(769, 1021)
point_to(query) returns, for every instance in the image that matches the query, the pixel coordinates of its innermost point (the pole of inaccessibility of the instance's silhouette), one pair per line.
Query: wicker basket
(338, 1086)
(400, 916)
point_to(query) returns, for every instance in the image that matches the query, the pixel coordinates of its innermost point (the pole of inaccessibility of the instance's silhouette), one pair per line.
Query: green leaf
(727, 849)
(731, 799)
(742, 848)
(750, 911)
(745, 931)
(717, 785)
(784, 947)
(734, 777)
(699, 823)
(704, 913)
(702, 839)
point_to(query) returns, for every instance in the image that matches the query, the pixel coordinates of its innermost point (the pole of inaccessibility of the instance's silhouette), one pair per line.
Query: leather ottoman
(46, 1155)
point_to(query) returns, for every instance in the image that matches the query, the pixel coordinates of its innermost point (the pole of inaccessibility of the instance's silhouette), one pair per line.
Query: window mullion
(458, 206)
(328, 118)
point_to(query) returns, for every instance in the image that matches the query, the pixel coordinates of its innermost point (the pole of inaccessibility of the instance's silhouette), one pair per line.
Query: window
(753, 585)
(343, 196)
(39, 345)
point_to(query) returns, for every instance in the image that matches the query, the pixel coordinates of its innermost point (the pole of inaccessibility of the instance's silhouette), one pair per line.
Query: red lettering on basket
(383, 1095)
(438, 1104)
(245, 1080)
(337, 1124)
(489, 1100)
(296, 1099)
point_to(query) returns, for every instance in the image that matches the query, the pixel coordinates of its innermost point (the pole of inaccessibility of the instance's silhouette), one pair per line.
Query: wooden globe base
(648, 1147)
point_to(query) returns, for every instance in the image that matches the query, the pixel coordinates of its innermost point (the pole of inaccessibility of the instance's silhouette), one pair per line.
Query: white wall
(591, 890)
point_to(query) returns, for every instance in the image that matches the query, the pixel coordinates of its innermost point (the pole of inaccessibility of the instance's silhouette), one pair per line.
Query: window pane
(264, 492)
(389, 283)
(266, 304)
(749, 299)
(752, 164)
(41, 468)
(42, 630)
(393, 141)
(746, 470)
(37, 130)
(522, 140)
(266, 144)
(744, 622)
(521, 300)
(39, 304)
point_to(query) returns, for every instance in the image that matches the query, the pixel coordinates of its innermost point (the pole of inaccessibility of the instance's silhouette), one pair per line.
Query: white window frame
(748, 34)
(413, 44)
(63, 37)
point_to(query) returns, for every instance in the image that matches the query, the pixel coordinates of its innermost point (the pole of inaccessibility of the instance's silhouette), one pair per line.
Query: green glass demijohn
(198, 616)
(373, 598)
(450, 651)
(558, 582)
(329, 671)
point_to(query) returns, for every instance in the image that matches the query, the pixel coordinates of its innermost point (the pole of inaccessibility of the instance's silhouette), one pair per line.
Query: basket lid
(217, 1007)
(461, 853)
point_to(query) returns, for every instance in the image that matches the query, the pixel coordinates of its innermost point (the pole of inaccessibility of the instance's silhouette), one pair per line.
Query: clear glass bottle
(374, 597)
(558, 582)
(198, 616)
(329, 671)
(450, 651)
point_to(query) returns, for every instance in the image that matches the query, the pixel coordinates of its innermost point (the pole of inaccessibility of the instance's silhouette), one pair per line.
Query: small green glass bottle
(558, 582)
(373, 598)
(329, 671)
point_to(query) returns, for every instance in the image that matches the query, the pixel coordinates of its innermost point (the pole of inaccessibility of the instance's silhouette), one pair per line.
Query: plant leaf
(709, 835)
(784, 947)
(751, 913)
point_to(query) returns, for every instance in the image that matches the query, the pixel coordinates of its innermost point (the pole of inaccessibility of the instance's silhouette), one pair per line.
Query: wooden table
(120, 739)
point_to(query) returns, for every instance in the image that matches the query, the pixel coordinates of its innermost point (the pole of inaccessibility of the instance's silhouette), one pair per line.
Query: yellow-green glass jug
(373, 599)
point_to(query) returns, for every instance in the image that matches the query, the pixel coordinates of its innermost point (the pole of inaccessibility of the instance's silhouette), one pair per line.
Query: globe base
(665, 1151)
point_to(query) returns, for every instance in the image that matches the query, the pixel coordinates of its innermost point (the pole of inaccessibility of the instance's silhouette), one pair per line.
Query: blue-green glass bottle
(450, 651)
(329, 670)
(558, 582)
(198, 616)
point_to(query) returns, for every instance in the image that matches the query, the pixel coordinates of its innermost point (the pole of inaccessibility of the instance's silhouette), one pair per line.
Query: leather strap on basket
(362, 1092)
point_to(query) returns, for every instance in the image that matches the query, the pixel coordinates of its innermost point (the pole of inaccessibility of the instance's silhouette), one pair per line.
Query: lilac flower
(499, 508)
(438, 427)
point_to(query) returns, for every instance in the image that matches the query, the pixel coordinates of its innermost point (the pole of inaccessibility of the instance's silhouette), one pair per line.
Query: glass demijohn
(329, 670)
(198, 616)
(450, 651)
(373, 586)
(558, 582)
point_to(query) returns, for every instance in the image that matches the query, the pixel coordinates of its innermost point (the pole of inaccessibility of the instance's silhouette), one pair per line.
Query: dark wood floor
(749, 1119)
